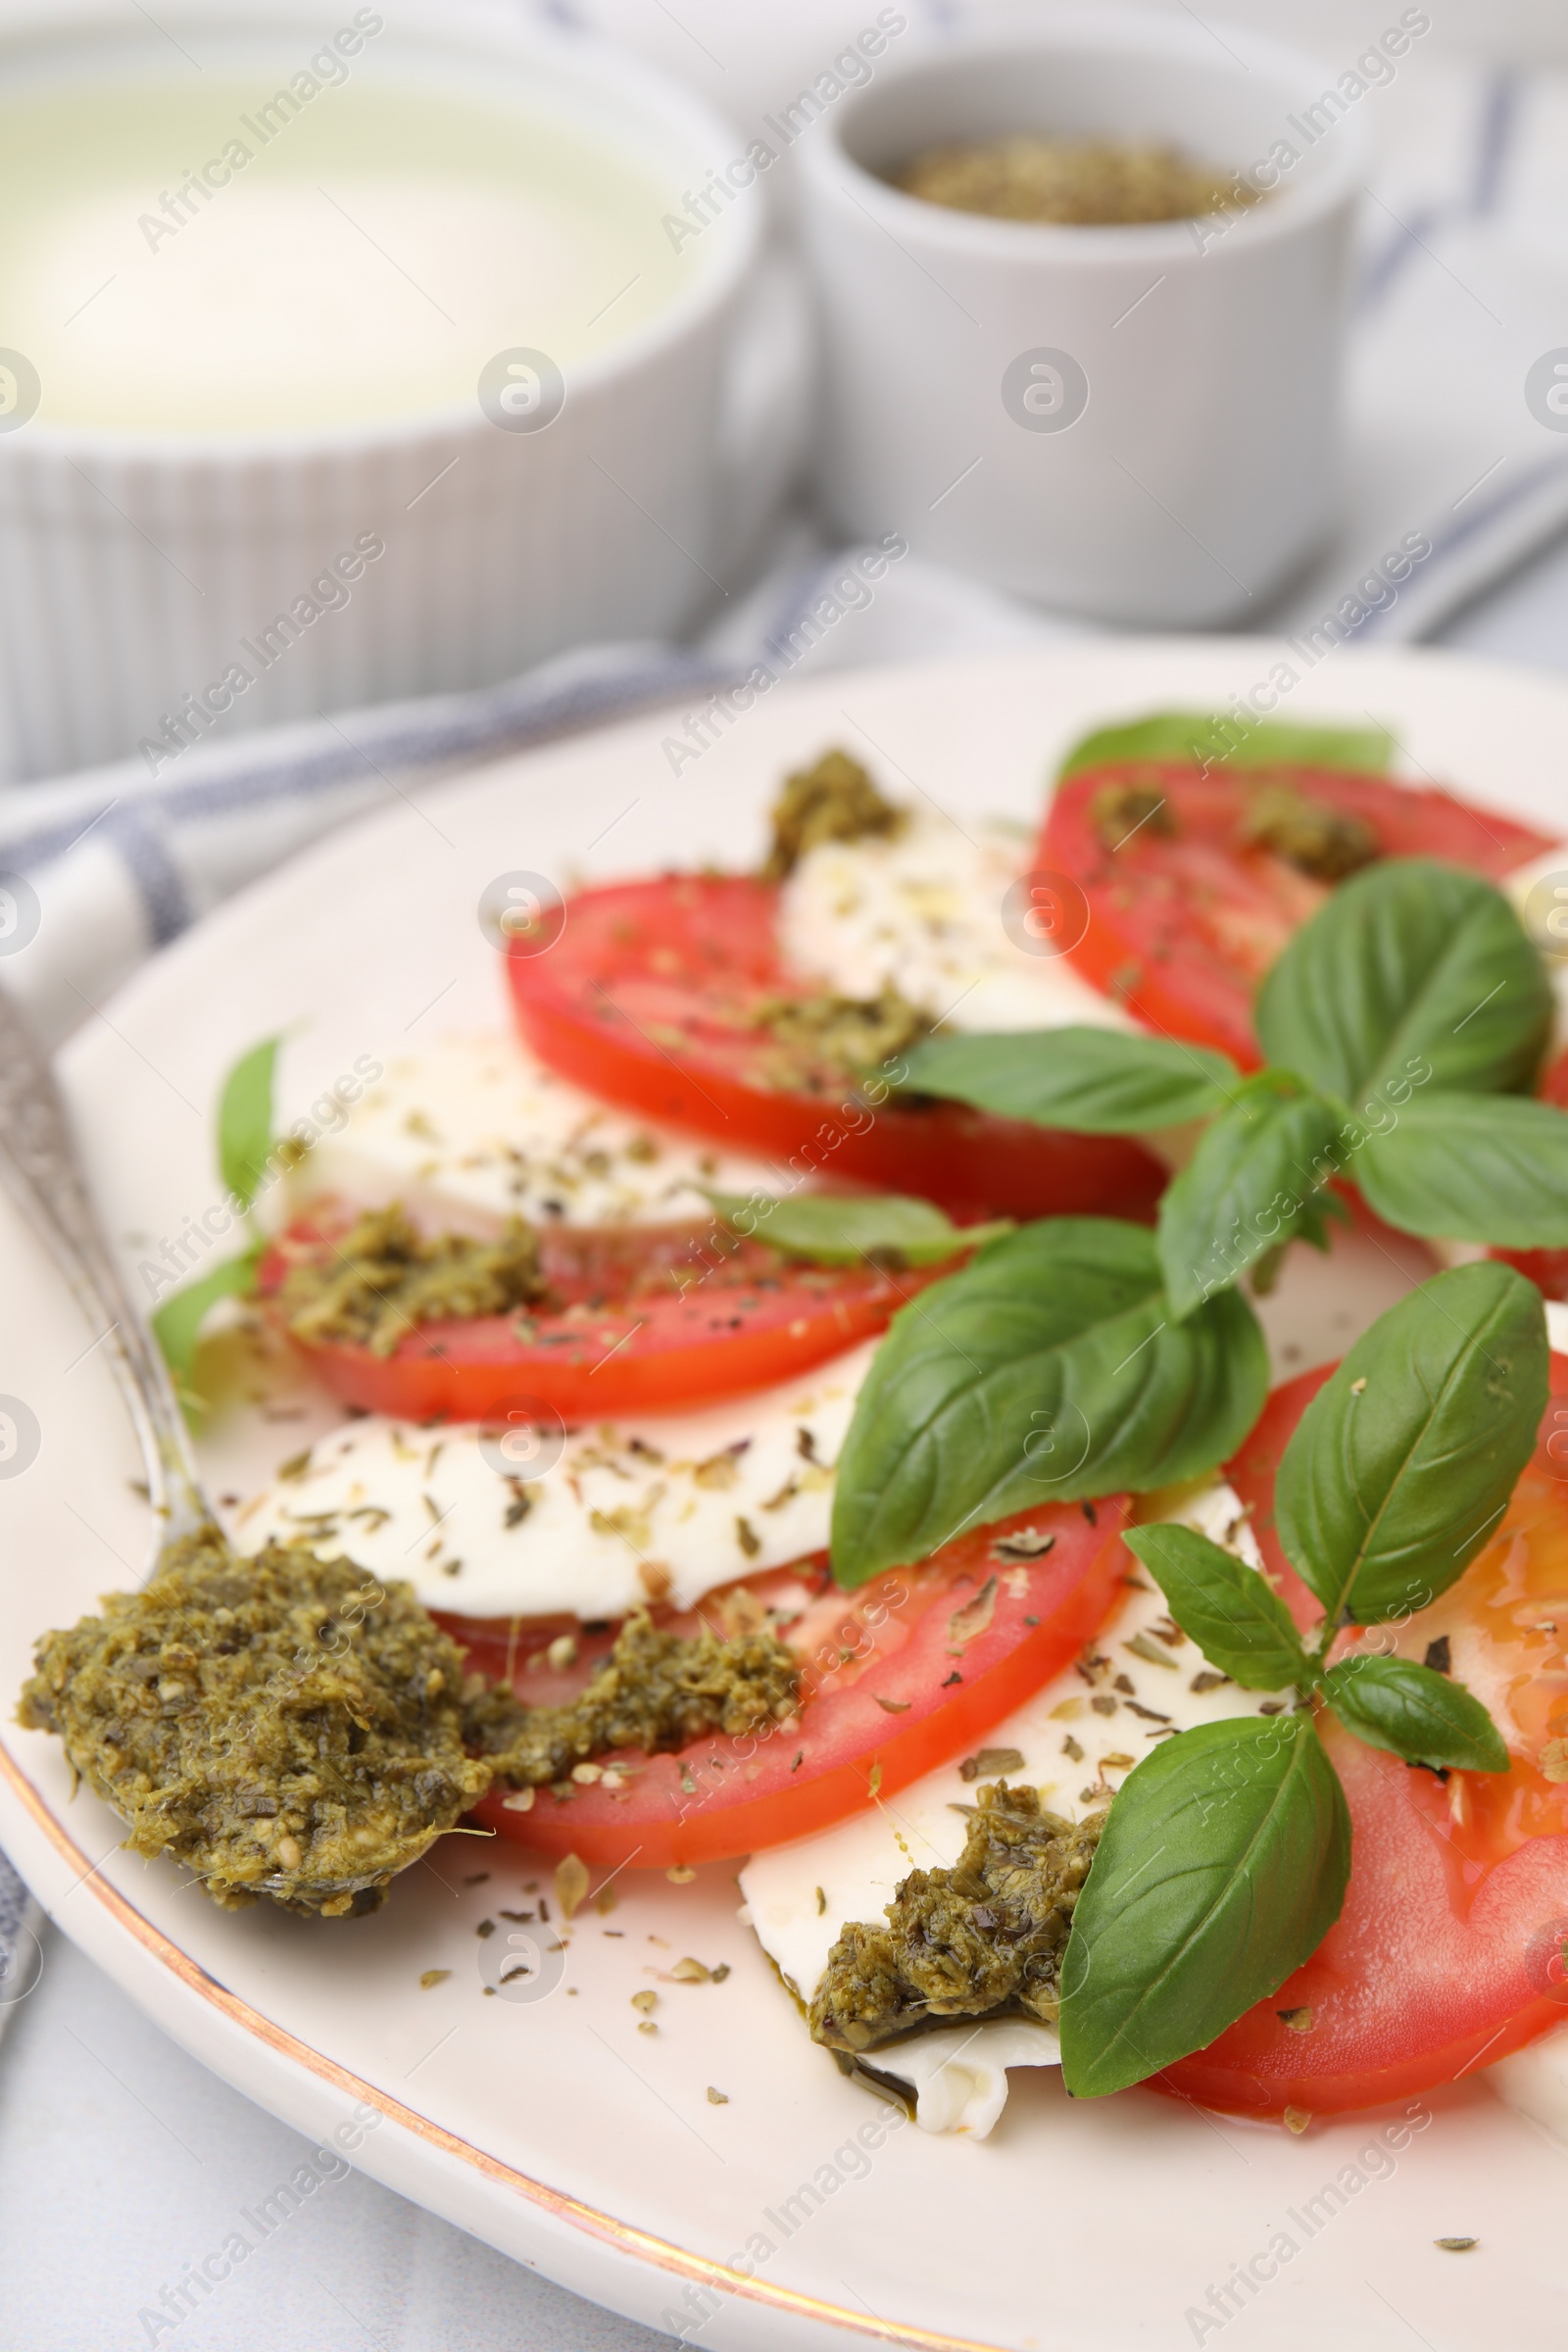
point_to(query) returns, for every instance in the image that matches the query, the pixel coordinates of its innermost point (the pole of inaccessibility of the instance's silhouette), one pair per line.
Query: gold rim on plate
(628, 2239)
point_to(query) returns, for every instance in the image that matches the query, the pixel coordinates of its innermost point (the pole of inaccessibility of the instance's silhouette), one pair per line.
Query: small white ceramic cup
(136, 566)
(1138, 423)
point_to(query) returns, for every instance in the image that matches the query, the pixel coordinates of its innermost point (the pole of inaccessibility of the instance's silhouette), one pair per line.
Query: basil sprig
(1404, 1461)
(1409, 960)
(245, 1119)
(1396, 1704)
(246, 1146)
(1241, 1193)
(1227, 1852)
(1050, 1369)
(1236, 1620)
(1473, 1168)
(843, 1229)
(1223, 1865)
(1205, 738)
(1091, 1081)
(1399, 1024)
(177, 1324)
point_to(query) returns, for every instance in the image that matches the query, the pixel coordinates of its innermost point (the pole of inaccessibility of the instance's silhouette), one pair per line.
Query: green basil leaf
(1414, 1713)
(1222, 1867)
(840, 1231)
(1258, 1180)
(176, 1326)
(1048, 1370)
(1473, 1168)
(1089, 1081)
(1239, 1623)
(1214, 739)
(1403, 1462)
(245, 1122)
(1411, 971)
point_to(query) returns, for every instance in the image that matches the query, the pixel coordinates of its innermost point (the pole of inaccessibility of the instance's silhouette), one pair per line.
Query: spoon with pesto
(283, 1725)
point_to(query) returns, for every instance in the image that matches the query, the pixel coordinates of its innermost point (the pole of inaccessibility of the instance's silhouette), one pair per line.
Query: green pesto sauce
(1119, 810)
(384, 1278)
(1325, 842)
(286, 1727)
(838, 1039)
(283, 1725)
(656, 1691)
(1318, 840)
(834, 801)
(984, 1938)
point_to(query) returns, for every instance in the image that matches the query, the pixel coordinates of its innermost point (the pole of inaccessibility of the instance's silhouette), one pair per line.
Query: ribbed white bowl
(137, 569)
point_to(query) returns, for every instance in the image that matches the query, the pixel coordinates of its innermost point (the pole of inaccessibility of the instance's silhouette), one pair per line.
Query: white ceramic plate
(551, 2126)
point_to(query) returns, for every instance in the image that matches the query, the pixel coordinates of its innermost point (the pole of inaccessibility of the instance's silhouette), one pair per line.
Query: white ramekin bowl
(133, 566)
(1139, 423)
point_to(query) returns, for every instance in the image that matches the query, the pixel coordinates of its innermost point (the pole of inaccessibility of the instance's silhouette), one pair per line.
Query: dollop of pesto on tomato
(1323, 842)
(822, 1041)
(657, 1691)
(383, 1278)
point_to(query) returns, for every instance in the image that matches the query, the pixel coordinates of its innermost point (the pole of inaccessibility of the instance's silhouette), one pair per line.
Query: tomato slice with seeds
(1188, 904)
(639, 1319)
(671, 997)
(898, 1677)
(1450, 1951)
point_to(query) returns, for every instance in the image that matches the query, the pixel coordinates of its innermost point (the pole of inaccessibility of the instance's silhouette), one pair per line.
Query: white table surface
(122, 2162)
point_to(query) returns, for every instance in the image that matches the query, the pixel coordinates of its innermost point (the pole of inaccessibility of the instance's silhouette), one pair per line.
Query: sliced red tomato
(1450, 1951)
(1548, 1270)
(664, 996)
(639, 1319)
(898, 1677)
(1186, 913)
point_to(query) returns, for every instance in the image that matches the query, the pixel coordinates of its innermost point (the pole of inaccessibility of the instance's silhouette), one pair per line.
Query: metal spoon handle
(41, 1170)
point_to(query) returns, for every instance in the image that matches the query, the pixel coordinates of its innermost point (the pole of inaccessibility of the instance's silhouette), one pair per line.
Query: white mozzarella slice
(1534, 2081)
(1458, 1254)
(925, 914)
(474, 1129)
(1079, 1737)
(958, 2074)
(1544, 915)
(622, 1513)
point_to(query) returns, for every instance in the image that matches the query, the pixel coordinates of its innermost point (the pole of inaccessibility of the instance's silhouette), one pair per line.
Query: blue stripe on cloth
(411, 735)
(19, 1922)
(1496, 133)
(1409, 239)
(806, 585)
(1500, 123)
(1491, 510)
(14, 1903)
(152, 868)
(146, 821)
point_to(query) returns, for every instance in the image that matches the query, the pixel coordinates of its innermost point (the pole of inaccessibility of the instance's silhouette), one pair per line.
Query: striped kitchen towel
(20, 1953)
(1458, 469)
